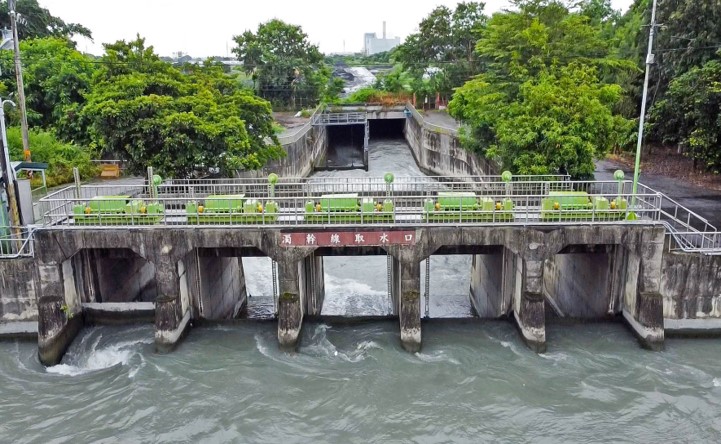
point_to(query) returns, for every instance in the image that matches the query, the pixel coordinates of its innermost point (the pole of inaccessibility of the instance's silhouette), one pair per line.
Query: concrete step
(18, 329)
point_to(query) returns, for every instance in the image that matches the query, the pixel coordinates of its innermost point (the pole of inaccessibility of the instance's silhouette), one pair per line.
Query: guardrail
(16, 243)
(428, 125)
(345, 118)
(407, 199)
(287, 139)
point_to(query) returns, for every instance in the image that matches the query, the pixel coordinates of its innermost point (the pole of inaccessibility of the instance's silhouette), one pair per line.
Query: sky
(206, 27)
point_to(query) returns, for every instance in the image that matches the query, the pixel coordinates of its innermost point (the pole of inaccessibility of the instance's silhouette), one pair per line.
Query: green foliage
(151, 114)
(286, 69)
(540, 106)
(690, 115)
(39, 22)
(60, 157)
(56, 77)
(446, 42)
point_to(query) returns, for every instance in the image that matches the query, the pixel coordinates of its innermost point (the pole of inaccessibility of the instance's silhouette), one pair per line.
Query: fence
(16, 243)
(408, 201)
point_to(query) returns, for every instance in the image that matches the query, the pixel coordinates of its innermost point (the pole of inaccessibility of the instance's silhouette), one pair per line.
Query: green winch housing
(465, 206)
(575, 205)
(348, 208)
(230, 209)
(117, 210)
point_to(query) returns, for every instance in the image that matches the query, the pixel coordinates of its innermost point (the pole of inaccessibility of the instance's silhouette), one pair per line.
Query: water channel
(474, 381)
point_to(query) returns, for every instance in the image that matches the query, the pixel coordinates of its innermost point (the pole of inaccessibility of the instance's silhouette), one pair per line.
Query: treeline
(549, 85)
(544, 87)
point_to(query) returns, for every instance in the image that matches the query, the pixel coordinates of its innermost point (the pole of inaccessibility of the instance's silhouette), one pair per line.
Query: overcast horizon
(207, 28)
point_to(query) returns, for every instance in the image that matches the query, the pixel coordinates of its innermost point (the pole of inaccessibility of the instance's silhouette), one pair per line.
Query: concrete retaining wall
(222, 287)
(301, 155)
(691, 286)
(440, 152)
(579, 285)
(18, 290)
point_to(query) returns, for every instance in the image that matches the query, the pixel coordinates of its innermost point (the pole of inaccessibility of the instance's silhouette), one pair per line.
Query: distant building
(373, 45)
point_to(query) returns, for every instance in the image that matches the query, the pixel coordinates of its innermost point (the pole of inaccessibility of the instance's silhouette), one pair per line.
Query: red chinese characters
(347, 238)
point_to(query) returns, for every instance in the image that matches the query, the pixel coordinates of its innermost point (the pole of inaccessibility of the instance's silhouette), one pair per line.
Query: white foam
(100, 359)
(717, 382)
(439, 357)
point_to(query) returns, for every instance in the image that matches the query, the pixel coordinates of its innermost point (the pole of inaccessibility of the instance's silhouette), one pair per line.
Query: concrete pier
(410, 305)
(529, 309)
(172, 310)
(59, 312)
(291, 303)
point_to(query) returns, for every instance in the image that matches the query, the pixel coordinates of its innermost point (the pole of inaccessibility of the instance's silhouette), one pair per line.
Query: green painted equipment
(117, 210)
(348, 208)
(227, 209)
(451, 206)
(578, 205)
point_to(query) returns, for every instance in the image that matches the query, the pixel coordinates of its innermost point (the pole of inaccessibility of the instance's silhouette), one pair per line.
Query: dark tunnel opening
(345, 146)
(386, 128)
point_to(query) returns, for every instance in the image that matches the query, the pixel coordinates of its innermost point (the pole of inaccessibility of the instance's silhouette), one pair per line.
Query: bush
(61, 157)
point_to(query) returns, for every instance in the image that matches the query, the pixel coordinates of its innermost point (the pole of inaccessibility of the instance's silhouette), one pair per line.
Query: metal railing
(16, 243)
(428, 125)
(296, 204)
(330, 119)
(287, 139)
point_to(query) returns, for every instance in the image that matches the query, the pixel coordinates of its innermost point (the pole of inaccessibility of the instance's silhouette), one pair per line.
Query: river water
(474, 381)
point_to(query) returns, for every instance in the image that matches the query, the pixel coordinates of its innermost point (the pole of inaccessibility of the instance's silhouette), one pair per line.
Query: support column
(221, 291)
(529, 309)
(59, 311)
(410, 305)
(172, 308)
(314, 284)
(290, 304)
(642, 302)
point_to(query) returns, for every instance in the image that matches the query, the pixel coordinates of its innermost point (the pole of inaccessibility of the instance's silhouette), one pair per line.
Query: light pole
(649, 62)
(19, 77)
(9, 177)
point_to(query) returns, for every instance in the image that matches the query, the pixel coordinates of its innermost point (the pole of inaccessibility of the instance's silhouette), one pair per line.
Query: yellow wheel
(438, 206)
(556, 206)
(318, 208)
(498, 206)
(201, 209)
(87, 210)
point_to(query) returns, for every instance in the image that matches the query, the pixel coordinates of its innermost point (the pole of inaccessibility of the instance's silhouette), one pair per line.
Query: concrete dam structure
(172, 252)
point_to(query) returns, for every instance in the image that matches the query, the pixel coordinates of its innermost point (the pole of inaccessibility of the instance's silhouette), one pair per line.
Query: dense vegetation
(549, 85)
(545, 86)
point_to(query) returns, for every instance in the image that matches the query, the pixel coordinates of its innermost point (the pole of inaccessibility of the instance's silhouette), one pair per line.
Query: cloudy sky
(203, 28)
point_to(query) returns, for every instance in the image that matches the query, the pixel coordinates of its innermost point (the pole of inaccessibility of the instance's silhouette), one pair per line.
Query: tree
(445, 43)
(690, 115)
(56, 77)
(285, 67)
(540, 107)
(151, 114)
(38, 22)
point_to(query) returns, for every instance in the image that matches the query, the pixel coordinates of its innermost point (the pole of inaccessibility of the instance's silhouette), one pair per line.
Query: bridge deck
(412, 203)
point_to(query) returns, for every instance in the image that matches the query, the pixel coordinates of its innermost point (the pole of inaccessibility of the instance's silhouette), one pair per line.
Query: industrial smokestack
(384, 29)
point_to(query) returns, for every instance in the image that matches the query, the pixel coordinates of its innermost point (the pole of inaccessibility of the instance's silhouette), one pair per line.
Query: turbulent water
(474, 381)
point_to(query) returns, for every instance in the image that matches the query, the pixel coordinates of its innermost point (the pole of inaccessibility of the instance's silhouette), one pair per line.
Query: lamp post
(9, 177)
(19, 76)
(650, 60)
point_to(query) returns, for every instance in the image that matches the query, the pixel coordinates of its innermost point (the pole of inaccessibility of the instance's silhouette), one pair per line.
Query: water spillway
(230, 382)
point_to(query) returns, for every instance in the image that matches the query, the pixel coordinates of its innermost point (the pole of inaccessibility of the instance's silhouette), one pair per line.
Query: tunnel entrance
(345, 147)
(386, 128)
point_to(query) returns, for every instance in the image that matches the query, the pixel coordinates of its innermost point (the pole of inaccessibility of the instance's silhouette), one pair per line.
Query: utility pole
(650, 60)
(12, 199)
(19, 77)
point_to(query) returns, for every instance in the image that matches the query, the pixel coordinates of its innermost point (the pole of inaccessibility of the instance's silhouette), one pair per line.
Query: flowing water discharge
(473, 381)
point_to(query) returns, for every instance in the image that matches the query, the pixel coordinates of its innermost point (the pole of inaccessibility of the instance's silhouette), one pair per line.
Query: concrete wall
(222, 287)
(125, 280)
(301, 155)
(691, 286)
(18, 290)
(440, 152)
(578, 285)
(487, 284)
